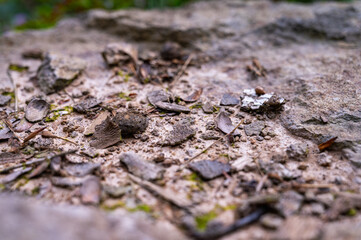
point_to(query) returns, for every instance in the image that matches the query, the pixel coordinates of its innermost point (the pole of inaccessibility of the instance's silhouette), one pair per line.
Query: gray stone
(354, 155)
(207, 108)
(141, 168)
(297, 152)
(56, 72)
(289, 203)
(87, 105)
(268, 102)
(324, 160)
(36, 110)
(81, 169)
(280, 170)
(300, 227)
(172, 107)
(254, 128)
(208, 169)
(90, 191)
(4, 100)
(229, 100)
(271, 221)
(131, 122)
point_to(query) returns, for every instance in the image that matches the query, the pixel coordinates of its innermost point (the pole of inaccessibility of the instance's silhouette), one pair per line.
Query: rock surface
(296, 68)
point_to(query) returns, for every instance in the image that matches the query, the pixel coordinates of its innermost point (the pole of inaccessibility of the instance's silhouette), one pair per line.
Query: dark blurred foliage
(35, 14)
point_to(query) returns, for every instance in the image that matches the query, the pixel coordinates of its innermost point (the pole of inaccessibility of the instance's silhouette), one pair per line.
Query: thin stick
(261, 183)
(216, 141)
(32, 135)
(15, 89)
(180, 73)
(50, 135)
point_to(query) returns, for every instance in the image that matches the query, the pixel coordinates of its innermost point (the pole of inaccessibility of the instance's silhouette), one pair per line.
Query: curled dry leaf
(39, 169)
(158, 96)
(194, 96)
(224, 123)
(36, 110)
(119, 54)
(144, 73)
(326, 144)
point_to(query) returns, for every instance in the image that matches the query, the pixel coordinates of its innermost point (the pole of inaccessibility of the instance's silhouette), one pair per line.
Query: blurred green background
(35, 14)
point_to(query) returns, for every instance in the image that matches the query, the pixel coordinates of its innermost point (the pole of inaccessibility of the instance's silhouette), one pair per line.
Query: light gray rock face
(28, 219)
(308, 58)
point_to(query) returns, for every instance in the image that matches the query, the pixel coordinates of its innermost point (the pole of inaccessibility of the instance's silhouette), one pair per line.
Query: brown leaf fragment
(224, 123)
(144, 73)
(326, 144)
(194, 96)
(106, 134)
(39, 169)
(100, 118)
(90, 191)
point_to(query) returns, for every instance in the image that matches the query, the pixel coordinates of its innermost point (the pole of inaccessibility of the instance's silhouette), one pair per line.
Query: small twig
(50, 135)
(261, 183)
(32, 135)
(180, 73)
(9, 125)
(216, 141)
(28, 163)
(15, 89)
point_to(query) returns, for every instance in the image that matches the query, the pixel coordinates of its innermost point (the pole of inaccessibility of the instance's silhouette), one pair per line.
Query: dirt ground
(218, 120)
